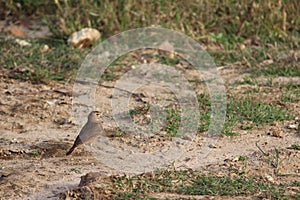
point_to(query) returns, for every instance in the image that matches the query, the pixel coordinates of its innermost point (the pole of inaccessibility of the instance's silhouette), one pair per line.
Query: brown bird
(89, 132)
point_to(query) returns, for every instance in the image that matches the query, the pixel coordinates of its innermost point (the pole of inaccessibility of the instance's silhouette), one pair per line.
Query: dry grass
(227, 22)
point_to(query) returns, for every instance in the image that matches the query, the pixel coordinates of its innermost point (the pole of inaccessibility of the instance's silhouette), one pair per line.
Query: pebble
(23, 43)
(83, 38)
(45, 48)
(292, 126)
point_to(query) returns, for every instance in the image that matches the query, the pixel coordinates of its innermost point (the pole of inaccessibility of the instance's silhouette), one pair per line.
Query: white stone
(84, 38)
(23, 43)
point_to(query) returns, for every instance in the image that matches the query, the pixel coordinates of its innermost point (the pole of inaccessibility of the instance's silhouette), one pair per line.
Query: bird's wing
(89, 131)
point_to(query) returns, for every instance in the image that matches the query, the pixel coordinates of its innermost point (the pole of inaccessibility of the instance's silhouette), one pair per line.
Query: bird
(89, 132)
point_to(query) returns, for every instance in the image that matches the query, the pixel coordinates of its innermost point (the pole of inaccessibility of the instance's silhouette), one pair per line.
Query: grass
(291, 93)
(172, 117)
(192, 183)
(281, 69)
(31, 63)
(249, 109)
(227, 22)
(246, 112)
(247, 80)
(173, 120)
(35, 153)
(295, 147)
(207, 185)
(242, 158)
(287, 92)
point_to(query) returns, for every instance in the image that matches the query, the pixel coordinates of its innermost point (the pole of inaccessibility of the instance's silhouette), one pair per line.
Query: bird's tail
(71, 150)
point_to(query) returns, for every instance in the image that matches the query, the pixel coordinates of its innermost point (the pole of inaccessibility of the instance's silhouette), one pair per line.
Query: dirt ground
(37, 129)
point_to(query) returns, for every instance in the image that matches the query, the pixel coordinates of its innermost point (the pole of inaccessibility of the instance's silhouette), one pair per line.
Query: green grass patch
(172, 114)
(210, 185)
(205, 111)
(246, 112)
(295, 147)
(222, 58)
(247, 80)
(284, 63)
(35, 153)
(249, 109)
(192, 183)
(290, 93)
(60, 62)
(280, 69)
(173, 120)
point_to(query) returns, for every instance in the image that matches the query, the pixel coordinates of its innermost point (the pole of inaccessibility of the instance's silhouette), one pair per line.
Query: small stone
(51, 103)
(242, 46)
(23, 43)
(236, 159)
(14, 140)
(45, 88)
(212, 146)
(84, 38)
(45, 48)
(18, 125)
(292, 126)
(275, 132)
(90, 177)
(270, 178)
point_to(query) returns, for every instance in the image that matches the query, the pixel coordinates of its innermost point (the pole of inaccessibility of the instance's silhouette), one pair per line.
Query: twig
(266, 154)
(108, 86)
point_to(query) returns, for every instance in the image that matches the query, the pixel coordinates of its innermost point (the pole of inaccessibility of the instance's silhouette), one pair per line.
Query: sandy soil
(37, 129)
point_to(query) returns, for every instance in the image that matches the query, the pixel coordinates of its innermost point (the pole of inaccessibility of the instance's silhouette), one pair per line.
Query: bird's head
(94, 116)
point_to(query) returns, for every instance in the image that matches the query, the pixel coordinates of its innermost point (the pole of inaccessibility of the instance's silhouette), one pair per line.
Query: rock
(45, 48)
(275, 132)
(292, 126)
(23, 43)
(84, 38)
(269, 178)
(90, 177)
